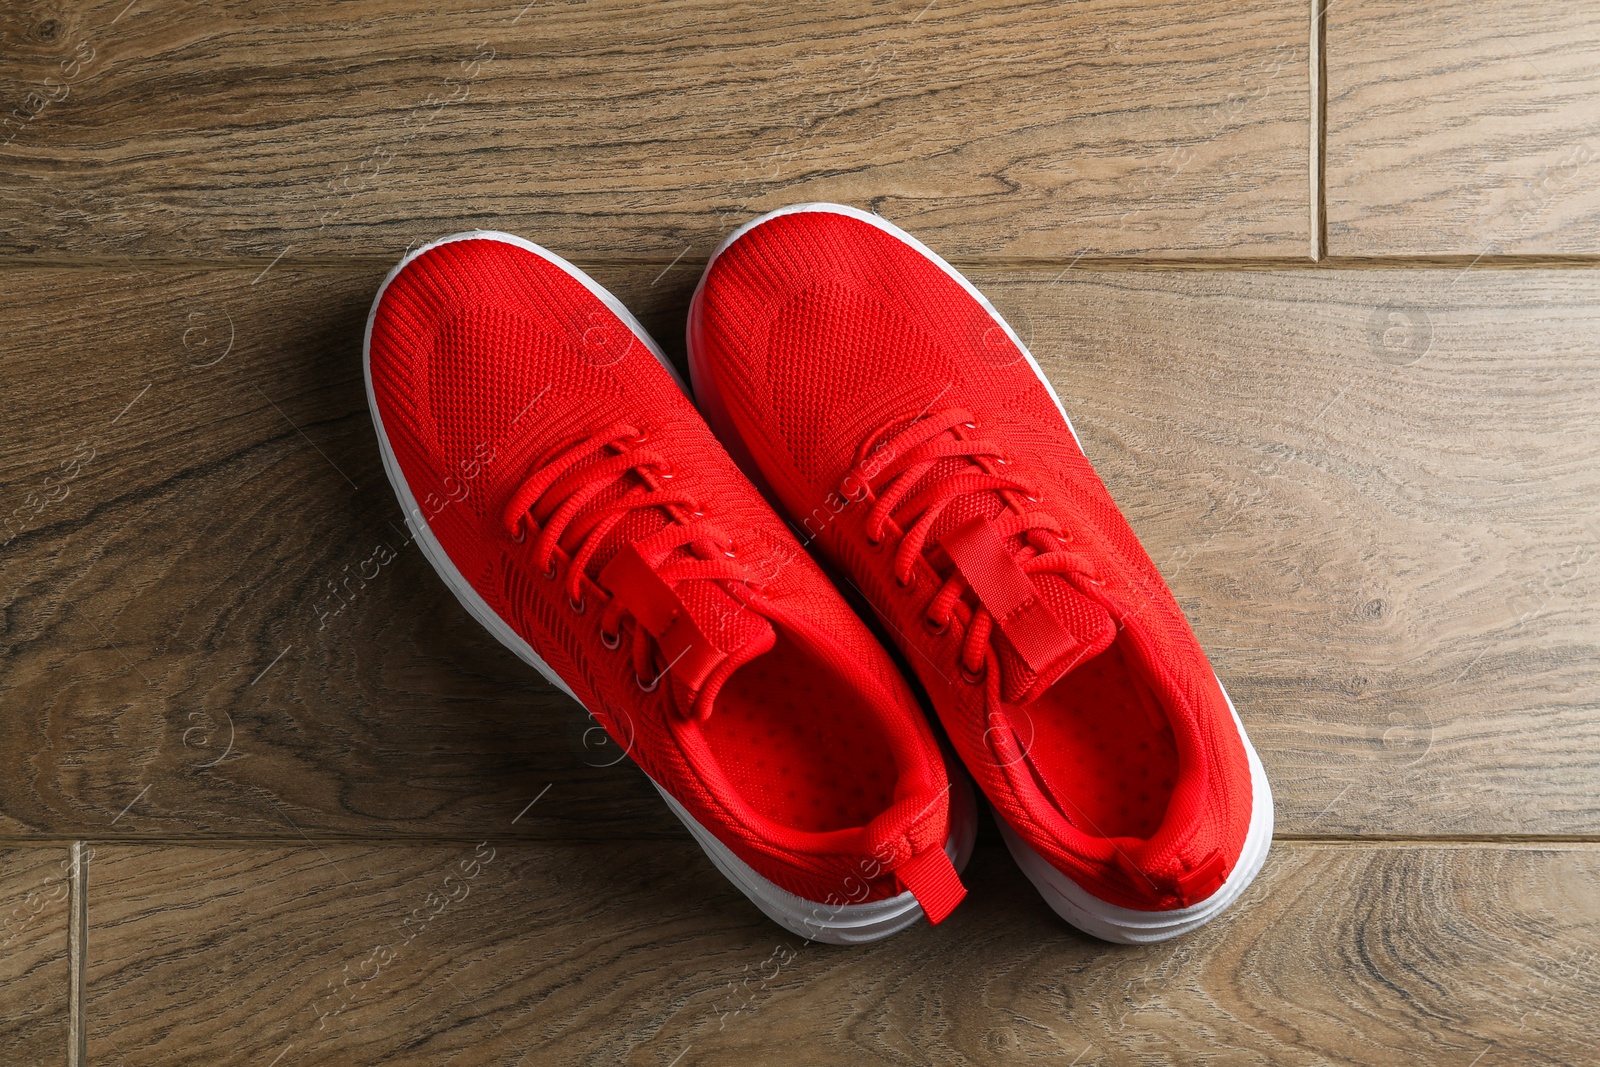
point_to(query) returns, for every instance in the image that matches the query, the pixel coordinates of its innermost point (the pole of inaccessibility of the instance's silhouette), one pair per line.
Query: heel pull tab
(932, 879)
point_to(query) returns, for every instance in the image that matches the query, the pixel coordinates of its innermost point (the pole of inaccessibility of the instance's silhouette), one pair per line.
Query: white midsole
(1069, 900)
(846, 924)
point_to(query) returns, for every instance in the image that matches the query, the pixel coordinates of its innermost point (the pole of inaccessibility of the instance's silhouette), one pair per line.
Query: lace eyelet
(937, 629)
(577, 607)
(970, 678)
(731, 551)
(550, 573)
(651, 688)
(611, 642)
(905, 585)
(639, 437)
(520, 536)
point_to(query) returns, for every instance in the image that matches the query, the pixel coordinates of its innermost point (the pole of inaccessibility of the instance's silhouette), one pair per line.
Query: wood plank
(604, 129)
(1388, 550)
(639, 953)
(1464, 129)
(35, 892)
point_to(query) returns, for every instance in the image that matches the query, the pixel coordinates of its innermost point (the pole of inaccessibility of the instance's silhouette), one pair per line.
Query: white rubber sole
(1068, 899)
(836, 924)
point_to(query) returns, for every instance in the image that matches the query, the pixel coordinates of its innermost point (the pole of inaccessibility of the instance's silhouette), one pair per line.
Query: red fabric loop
(1007, 593)
(639, 587)
(932, 879)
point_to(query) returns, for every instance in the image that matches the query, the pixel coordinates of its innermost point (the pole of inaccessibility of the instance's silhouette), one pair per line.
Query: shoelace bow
(890, 470)
(558, 500)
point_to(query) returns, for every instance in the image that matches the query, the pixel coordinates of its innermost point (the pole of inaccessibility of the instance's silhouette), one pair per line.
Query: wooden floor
(1317, 284)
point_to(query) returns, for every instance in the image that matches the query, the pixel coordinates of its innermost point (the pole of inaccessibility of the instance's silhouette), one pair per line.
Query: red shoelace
(890, 465)
(558, 500)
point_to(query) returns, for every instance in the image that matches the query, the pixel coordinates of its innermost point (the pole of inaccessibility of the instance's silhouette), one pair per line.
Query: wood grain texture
(332, 821)
(35, 891)
(639, 953)
(611, 129)
(1463, 128)
(1373, 492)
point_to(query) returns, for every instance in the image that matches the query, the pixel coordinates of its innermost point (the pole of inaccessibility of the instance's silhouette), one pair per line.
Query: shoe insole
(1100, 737)
(799, 745)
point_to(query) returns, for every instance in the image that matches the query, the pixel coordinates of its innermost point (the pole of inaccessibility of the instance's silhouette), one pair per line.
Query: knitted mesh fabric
(486, 361)
(853, 327)
(820, 331)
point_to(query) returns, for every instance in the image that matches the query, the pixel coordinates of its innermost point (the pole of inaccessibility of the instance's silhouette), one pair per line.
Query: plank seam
(77, 954)
(1441, 261)
(88, 845)
(1318, 140)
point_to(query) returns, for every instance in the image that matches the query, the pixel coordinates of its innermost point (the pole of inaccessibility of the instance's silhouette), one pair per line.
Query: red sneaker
(907, 431)
(557, 477)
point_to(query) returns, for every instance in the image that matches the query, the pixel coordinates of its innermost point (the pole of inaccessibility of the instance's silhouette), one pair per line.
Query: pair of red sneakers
(554, 470)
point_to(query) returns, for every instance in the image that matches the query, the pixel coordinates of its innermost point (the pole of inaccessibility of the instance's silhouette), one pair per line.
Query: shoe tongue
(635, 526)
(732, 631)
(732, 627)
(1090, 624)
(741, 635)
(1089, 627)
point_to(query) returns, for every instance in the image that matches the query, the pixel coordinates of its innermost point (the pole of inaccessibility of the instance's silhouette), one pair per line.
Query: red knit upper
(577, 490)
(906, 433)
